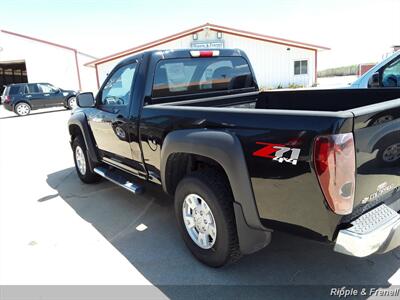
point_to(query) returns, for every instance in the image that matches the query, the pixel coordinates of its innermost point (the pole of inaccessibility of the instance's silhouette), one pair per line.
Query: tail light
(7, 99)
(204, 53)
(335, 165)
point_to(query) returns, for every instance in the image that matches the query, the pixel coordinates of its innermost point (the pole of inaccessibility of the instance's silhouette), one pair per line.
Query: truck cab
(385, 74)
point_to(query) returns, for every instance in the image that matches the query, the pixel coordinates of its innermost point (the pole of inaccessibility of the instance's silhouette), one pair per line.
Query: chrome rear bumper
(377, 231)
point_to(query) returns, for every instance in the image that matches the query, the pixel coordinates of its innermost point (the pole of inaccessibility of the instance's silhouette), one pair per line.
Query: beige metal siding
(273, 63)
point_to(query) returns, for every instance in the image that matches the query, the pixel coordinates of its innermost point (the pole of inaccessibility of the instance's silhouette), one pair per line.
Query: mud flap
(250, 240)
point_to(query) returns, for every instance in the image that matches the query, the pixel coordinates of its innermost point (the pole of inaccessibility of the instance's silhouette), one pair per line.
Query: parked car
(385, 74)
(241, 163)
(21, 98)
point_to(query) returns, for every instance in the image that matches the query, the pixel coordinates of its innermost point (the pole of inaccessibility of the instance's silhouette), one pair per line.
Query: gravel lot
(56, 230)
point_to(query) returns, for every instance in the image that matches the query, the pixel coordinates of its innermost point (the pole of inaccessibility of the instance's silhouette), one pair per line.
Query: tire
(389, 153)
(22, 109)
(71, 102)
(212, 188)
(82, 162)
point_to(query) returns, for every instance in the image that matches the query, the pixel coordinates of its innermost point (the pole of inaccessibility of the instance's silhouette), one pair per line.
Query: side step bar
(118, 177)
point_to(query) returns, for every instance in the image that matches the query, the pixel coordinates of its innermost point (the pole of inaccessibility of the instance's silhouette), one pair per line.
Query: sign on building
(207, 44)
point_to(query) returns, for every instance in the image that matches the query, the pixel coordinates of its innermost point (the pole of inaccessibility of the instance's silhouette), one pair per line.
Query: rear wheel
(22, 109)
(81, 160)
(72, 103)
(204, 210)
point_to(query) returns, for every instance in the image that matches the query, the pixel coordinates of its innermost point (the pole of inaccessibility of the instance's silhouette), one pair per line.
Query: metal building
(28, 59)
(277, 62)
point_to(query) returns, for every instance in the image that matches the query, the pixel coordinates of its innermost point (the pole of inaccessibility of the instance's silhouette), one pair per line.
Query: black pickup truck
(240, 162)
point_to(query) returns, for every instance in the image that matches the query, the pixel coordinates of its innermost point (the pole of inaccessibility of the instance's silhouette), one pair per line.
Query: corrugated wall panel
(272, 63)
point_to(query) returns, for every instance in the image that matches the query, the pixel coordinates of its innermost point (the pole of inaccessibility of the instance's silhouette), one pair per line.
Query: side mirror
(85, 100)
(373, 81)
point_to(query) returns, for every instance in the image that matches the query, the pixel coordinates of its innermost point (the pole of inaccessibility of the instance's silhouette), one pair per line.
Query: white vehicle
(384, 74)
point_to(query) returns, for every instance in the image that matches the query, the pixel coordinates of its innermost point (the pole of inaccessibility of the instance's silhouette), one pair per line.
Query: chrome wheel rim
(391, 153)
(23, 109)
(72, 102)
(199, 221)
(80, 160)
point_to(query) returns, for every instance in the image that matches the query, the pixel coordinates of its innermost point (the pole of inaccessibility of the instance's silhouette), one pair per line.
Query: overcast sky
(356, 30)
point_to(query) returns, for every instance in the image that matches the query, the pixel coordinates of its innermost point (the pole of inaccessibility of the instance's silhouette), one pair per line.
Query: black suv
(21, 98)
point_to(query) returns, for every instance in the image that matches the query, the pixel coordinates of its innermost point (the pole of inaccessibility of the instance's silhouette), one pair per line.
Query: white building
(277, 62)
(28, 59)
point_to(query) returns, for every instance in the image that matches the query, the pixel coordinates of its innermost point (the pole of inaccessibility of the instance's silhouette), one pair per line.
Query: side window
(117, 90)
(391, 74)
(300, 67)
(33, 88)
(46, 88)
(14, 90)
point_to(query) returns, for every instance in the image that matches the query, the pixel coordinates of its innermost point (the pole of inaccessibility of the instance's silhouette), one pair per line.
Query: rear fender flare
(224, 148)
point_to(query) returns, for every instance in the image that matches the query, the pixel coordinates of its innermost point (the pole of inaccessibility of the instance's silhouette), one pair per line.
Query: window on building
(300, 67)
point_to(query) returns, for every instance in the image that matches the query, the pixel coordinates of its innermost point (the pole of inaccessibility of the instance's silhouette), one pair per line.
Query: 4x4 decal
(278, 152)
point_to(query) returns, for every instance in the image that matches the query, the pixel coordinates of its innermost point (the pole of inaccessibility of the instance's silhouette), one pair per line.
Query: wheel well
(22, 101)
(181, 164)
(74, 131)
(387, 139)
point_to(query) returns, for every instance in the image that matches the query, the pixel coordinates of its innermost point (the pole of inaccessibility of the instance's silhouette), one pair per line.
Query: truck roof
(180, 53)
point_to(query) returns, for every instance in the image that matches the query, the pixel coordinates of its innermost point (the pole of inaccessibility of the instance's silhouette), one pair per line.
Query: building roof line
(75, 51)
(267, 37)
(38, 40)
(224, 29)
(147, 45)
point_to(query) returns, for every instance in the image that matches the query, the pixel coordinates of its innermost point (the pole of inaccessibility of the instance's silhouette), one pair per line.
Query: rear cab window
(188, 76)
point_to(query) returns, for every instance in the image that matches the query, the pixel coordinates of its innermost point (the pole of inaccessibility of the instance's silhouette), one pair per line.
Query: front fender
(79, 119)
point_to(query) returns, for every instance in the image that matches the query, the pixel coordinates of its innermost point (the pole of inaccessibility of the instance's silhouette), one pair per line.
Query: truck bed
(296, 118)
(329, 100)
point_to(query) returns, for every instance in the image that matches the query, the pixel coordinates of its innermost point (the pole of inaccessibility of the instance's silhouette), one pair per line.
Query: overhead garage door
(12, 72)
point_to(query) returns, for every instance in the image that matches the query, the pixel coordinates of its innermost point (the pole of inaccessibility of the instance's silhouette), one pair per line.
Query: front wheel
(22, 109)
(81, 160)
(204, 211)
(389, 154)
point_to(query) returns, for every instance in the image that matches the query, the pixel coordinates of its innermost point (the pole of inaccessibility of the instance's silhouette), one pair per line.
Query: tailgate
(377, 143)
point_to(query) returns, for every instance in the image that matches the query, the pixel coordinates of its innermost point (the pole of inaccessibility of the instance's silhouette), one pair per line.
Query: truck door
(35, 96)
(51, 95)
(111, 124)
